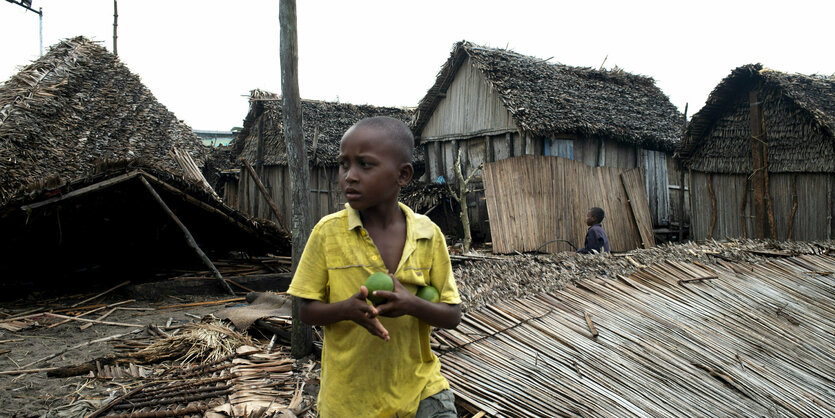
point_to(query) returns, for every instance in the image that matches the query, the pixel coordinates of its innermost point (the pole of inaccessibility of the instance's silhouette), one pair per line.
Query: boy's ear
(405, 174)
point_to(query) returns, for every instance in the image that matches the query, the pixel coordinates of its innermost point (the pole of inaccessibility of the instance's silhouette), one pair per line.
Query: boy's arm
(314, 312)
(445, 314)
(402, 302)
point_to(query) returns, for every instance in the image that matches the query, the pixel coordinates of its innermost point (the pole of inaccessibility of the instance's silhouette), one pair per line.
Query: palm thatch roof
(799, 113)
(553, 99)
(76, 104)
(323, 124)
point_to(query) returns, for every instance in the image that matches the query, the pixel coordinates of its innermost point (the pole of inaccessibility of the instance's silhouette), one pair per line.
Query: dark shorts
(439, 405)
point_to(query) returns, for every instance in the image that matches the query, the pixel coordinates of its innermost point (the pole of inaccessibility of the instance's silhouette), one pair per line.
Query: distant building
(215, 138)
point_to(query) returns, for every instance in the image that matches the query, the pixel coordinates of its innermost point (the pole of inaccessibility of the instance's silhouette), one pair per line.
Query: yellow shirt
(362, 375)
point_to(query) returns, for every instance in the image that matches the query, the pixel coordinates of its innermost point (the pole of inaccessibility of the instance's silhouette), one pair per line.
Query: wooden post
(794, 206)
(259, 158)
(509, 138)
(744, 205)
(189, 238)
(488, 149)
(757, 177)
(115, 24)
(299, 169)
(680, 183)
(523, 143)
(266, 194)
(712, 205)
(682, 216)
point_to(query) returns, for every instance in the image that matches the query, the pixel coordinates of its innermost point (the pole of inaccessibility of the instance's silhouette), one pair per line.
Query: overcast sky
(201, 58)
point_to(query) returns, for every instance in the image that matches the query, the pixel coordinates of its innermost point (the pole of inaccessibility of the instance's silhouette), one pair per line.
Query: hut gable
(325, 121)
(799, 115)
(553, 100)
(78, 104)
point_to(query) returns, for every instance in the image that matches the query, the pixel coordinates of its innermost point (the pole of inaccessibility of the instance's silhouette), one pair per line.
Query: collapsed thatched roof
(799, 113)
(554, 99)
(76, 104)
(325, 120)
(108, 223)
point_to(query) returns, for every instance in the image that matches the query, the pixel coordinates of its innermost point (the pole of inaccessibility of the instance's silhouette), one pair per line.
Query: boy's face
(371, 168)
(590, 220)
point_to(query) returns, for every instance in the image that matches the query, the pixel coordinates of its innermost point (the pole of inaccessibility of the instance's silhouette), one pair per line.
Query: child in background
(376, 361)
(596, 238)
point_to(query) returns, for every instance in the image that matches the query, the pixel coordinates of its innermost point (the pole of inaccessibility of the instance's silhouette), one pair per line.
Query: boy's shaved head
(395, 130)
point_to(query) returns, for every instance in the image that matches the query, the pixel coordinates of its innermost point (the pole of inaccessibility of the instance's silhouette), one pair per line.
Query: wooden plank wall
(657, 185)
(675, 190)
(812, 219)
(535, 199)
(632, 184)
(470, 105)
(325, 195)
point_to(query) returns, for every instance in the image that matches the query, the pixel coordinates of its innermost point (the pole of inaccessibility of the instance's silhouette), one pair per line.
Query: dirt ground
(35, 394)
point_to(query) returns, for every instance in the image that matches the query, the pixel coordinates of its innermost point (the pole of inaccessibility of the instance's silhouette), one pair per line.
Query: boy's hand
(365, 315)
(399, 302)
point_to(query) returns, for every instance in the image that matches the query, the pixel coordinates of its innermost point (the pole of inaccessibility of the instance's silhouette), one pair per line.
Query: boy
(376, 361)
(596, 238)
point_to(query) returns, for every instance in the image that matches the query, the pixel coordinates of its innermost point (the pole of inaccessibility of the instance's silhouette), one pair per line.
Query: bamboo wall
(535, 199)
(811, 221)
(325, 194)
(440, 159)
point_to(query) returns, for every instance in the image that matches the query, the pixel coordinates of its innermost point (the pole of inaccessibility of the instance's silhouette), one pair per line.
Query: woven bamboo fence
(676, 339)
(532, 200)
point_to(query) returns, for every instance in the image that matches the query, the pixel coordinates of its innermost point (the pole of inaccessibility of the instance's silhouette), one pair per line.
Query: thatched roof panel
(799, 113)
(325, 120)
(553, 99)
(76, 104)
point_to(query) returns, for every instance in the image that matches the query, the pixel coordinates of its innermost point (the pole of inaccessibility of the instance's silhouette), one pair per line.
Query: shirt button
(373, 258)
(364, 233)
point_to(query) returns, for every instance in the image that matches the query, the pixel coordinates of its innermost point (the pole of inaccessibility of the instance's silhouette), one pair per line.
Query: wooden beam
(189, 238)
(78, 192)
(265, 194)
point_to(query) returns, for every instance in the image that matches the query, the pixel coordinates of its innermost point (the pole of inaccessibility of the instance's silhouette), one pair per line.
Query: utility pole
(115, 24)
(302, 342)
(27, 4)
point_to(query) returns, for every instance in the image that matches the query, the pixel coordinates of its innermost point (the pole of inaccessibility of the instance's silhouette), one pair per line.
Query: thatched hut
(75, 105)
(99, 181)
(761, 154)
(261, 142)
(495, 104)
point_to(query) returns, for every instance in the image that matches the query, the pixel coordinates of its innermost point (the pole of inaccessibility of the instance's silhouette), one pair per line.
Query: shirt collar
(421, 229)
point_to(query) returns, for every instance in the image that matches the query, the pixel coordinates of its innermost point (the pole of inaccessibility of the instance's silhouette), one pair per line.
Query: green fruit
(429, 293)
(378, 281)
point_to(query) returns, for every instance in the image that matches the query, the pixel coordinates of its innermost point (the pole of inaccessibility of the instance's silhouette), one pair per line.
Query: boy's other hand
(365, 315)
(399, 302)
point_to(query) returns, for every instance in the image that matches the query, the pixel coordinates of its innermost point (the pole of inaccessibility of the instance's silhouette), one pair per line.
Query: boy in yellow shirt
(376, 361)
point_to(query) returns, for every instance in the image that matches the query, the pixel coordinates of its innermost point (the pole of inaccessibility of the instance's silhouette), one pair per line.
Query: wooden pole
(794, 207)
(299, 170)
(115, 25)
(681, 183)
(266, 194)
(259, 156)
(189, 238)
(757, 177)
(712, 205)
